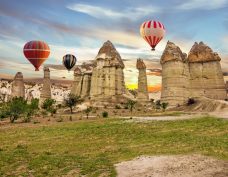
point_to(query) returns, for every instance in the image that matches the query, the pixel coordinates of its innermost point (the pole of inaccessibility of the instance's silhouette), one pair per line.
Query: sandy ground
(173, 166)
(185, 116)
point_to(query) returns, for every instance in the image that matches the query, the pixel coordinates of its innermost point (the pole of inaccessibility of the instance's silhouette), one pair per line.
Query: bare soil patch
(173, 166)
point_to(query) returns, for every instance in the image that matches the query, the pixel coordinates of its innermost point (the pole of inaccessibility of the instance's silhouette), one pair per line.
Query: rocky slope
(33, 90)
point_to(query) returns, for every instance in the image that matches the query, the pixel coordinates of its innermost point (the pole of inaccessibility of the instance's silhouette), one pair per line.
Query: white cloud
(203, 4)
(103, 12)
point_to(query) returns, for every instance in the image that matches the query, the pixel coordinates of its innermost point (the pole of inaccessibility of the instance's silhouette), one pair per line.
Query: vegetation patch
(92, 147)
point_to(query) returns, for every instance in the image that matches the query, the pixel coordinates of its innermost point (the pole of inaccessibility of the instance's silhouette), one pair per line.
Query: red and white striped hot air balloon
(152, 32)
(36, 52)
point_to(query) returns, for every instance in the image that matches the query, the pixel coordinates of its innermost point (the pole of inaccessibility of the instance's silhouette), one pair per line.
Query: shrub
(164, 106)
(158, 104)
(105, 114)
(48, 105)
(118, 106)
(17, 107)
(191, 101)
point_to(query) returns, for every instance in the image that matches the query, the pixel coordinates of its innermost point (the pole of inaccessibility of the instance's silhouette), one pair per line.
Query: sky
(81, 28)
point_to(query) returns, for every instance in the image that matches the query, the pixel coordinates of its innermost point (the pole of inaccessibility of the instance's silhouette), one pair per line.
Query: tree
(131, 105)
(164, 106)
(48, 105)
(87, 111)
(31, 109)
(72, 101)
(17, 107)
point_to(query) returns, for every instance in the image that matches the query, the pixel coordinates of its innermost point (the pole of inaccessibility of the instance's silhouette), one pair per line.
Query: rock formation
(82, 81)
(107, 82)
(175, 75)
(77, 84)
(198, 75)
(18, 87)
(142, 95)
(46, 90)
(206, 78)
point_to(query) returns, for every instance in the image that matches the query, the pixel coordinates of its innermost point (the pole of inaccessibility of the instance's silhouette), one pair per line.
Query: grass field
(92, 148)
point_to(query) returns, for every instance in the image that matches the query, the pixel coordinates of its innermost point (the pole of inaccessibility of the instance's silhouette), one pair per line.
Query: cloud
(103, 12)
(203, 4)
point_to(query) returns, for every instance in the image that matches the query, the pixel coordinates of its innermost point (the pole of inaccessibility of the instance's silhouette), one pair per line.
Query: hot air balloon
(69, 61)
(152, 32)
(36, 52)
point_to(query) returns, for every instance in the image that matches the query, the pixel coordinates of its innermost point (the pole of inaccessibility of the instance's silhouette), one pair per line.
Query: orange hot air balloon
(36, 52)
(152, 32)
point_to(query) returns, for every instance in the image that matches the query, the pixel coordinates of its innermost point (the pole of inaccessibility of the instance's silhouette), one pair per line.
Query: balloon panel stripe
(149, 23)
(155, 24)
(144, 24)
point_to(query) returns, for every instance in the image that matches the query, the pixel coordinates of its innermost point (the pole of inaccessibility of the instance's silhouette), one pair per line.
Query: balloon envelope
(152, 32)
(36, 52)
(69, 61)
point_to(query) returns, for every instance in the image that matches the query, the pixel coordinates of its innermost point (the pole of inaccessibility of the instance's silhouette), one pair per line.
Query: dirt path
(185, 116)
(173, 166)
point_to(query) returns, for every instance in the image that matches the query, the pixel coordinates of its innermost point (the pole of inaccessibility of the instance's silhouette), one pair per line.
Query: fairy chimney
(175, 76)
(206, 77)
(46, 90)
(18, 87)
(107, 80)
(142, 81)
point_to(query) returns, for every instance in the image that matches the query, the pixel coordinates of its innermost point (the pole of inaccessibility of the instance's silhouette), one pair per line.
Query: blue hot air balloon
(69, 61)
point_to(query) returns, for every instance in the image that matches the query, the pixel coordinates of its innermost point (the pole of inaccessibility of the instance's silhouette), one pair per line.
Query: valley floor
(93, 147)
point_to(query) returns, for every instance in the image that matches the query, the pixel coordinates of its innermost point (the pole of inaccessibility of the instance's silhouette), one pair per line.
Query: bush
(164, 106)
(191, 101)
(158, 104)
(48, 105)
(105, 114)
(17, 107)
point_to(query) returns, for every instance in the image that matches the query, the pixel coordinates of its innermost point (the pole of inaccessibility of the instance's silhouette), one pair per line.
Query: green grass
(93, 147)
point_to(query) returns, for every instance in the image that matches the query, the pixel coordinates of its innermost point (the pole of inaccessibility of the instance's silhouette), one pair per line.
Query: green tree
(17, 107)
(31, 109)
(164, 106)
(48, 105)
(131, 105)
(87, 111)
(72, 101)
